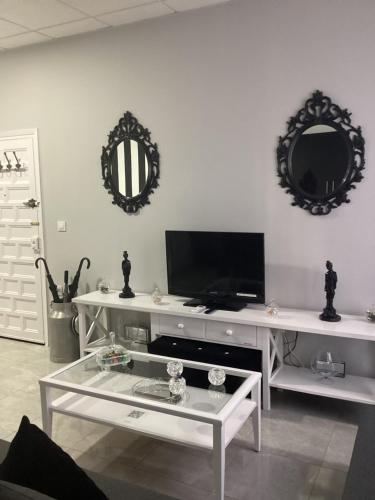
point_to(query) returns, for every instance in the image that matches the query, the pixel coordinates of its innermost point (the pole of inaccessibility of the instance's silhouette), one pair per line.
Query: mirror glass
(129, 168)
(320, 161)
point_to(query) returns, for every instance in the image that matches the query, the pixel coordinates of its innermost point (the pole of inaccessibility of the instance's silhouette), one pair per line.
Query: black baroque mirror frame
(130, 164)
(321, 157)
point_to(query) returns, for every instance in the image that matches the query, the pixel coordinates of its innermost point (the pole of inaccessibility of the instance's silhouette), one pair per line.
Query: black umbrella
(66, 288)
(51, 283)
(73, 287)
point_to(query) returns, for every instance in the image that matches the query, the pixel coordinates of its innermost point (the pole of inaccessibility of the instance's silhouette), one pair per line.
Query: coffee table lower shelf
(149, 423)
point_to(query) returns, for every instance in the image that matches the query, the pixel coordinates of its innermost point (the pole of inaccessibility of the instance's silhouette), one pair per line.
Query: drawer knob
(229, 332)
(180, 326)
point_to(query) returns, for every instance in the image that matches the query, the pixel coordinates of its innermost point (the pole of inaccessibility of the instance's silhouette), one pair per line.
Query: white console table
(249, 328)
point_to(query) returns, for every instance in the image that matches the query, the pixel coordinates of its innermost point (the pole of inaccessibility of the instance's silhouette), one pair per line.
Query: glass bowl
(113, 354)
(323, 364)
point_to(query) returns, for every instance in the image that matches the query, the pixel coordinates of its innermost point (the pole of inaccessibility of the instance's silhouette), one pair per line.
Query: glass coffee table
(205, 416)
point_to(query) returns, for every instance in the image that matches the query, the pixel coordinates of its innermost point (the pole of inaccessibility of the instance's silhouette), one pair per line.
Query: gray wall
(215, 87)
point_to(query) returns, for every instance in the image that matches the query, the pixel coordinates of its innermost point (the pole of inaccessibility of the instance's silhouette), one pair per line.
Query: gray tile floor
(307, 442)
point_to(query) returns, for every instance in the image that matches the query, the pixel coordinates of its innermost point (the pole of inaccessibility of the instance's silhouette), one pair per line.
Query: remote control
(198, 309)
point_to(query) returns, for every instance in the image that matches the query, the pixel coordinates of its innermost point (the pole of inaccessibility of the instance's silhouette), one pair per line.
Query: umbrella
(51, 283)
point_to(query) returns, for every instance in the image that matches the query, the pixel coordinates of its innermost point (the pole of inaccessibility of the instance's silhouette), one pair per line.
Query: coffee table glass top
(144, 370)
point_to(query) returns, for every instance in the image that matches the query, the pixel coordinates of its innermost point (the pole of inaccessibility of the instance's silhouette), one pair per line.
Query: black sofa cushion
(113, 488)
(36, 462)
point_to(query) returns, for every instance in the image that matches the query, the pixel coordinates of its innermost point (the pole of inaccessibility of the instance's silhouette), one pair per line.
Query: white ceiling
(24, 22)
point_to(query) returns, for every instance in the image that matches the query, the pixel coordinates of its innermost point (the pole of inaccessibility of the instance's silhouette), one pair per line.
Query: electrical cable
(290, 357)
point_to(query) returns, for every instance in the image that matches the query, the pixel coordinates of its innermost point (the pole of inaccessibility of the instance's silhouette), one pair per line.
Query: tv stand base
(252, 329)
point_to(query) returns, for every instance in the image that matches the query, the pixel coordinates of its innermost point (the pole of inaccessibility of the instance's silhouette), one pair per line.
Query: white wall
(215, 87)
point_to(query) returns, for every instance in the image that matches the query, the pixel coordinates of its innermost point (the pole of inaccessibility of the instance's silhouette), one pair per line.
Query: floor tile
(340, 448)
(329, 485)
(264, 476)
(128, 446)
(12, 409)
(163, 483)
(5, 434)
(88, 461)
(187, 465)
(68, 431)
(301, 436)
(5, 392)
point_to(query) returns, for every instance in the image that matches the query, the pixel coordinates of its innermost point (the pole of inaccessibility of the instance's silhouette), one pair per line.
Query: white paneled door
(22, 288)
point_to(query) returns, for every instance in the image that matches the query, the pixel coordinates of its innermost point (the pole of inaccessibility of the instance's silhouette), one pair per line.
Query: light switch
(61, 226)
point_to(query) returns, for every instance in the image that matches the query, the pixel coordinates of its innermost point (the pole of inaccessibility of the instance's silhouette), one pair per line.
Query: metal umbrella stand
(63, 339)
(63, 342)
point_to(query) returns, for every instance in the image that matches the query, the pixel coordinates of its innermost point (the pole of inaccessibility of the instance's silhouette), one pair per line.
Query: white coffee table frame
(225, 424)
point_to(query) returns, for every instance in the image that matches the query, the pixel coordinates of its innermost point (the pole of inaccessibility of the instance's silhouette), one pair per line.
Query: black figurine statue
(126, 268)
(329, 312)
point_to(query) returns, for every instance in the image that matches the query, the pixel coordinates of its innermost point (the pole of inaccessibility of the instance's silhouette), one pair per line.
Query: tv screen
(216, 265)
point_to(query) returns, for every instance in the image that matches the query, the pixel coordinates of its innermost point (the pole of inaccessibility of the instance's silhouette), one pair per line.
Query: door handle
(31, 203)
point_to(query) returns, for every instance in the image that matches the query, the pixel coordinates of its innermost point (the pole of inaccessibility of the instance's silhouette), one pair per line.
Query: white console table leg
(45, 399)
(264, 344)
(219, 460)
(86, 334)
(82, 328)
(270, 341)
(105, 320)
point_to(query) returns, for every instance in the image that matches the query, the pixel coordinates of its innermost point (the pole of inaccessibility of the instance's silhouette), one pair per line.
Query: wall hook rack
(18, 166)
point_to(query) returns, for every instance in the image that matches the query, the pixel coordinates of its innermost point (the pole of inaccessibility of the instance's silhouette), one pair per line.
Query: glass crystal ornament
(272, 308)
(370, 313)
(157, 296)
(216, 376)
(177, 386)
(103, 287)
(323, 364)
(175, 368)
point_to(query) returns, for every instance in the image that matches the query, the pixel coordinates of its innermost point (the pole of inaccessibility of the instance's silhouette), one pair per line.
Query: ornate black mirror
(321, 156)
(130, 164)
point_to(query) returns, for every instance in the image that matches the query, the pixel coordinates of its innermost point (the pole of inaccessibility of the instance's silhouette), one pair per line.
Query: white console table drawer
(182, 326)
(231, 333)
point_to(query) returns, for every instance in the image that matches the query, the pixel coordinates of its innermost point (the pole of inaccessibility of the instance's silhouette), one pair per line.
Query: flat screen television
(218, 269)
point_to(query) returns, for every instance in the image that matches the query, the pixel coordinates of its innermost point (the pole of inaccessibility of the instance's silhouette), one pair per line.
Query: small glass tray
(157, 388)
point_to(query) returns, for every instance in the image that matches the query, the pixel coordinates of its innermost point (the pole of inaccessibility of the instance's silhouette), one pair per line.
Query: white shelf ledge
(349, 388)
(150, 423)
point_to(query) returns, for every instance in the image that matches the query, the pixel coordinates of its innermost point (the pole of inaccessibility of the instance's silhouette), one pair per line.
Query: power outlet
(61, 226)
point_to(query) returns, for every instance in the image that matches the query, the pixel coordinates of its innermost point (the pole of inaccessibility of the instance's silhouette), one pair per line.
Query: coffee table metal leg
(255, 416)
(219, 460)
(45, 398)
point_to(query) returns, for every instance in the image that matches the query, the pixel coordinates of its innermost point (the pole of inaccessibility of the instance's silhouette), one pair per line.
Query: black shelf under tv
(211, 353)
